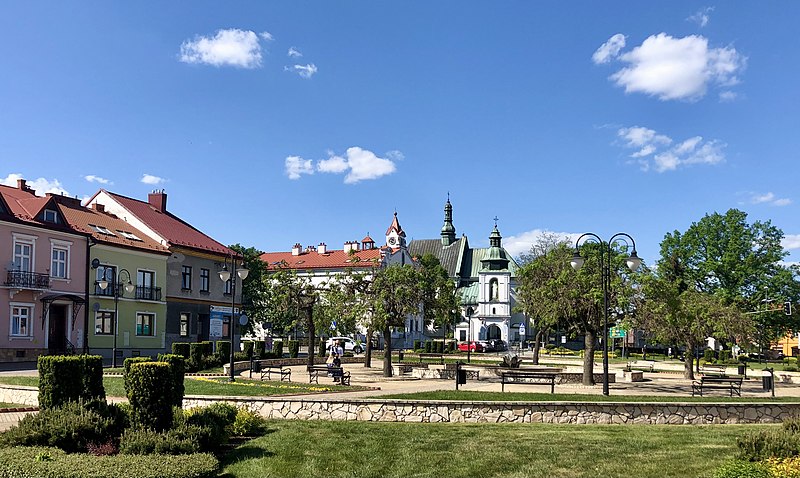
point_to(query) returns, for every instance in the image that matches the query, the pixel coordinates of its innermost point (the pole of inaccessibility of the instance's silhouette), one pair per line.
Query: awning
(77, 303)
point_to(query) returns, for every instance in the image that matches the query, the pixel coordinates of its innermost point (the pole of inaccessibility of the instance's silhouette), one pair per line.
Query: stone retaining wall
(482, 412)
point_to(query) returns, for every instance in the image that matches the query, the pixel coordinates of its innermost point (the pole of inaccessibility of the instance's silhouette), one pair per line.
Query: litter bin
(400, 356)
(461, 377)
(767, 380)
(741, 369)
(256, 367)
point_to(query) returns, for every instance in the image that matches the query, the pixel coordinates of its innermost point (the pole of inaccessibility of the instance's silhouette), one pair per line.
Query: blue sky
(274, 123)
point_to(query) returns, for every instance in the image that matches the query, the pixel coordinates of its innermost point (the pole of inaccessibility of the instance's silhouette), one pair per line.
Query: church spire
(448, 230)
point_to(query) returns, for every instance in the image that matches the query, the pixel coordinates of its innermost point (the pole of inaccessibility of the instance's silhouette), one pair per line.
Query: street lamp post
(633, 262)
(469, 334)
(226, 275)
(103, 283)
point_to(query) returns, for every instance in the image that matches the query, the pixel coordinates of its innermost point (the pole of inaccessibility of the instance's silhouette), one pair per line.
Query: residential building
(198, 302)
(485, 281)
(130, 313)
(43, 297)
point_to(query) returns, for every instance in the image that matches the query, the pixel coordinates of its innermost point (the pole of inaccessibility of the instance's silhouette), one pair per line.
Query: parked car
(498, 345)
(471, 346)
(350, 345)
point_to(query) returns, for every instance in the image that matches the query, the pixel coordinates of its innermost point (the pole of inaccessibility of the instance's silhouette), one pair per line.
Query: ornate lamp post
(103, 284)
(633, 262)
(469, 334)
(226, 275)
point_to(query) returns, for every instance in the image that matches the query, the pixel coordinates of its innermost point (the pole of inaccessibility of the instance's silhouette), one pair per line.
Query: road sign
(617, 333)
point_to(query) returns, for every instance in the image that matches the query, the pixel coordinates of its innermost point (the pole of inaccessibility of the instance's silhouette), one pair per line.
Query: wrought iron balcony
(27, 280)
(148, 293)
(108, 291)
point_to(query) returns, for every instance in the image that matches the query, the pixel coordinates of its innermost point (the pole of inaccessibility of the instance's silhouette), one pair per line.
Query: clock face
(391, 241)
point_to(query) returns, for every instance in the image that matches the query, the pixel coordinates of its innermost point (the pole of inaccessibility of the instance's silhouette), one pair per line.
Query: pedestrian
(340, 349)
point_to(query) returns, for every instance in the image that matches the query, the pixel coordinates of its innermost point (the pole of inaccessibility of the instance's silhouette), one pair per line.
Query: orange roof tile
(337, 259)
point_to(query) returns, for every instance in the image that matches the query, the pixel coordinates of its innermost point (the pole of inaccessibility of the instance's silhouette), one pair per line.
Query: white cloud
(150, 179)
(522, 242)
(306, 71)
(42, 186)
(266, 36)
(232, 47)
(97, 179)
(297, 166)
(727, 96)
(655, 151)
(675, 68)
(609, 50)
(791, 241)
(294, 53)
(701, 17)
(334, 164)
(769, 198)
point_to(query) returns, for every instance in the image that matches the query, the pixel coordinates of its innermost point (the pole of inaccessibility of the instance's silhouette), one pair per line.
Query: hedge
(224, 350)
(41, 462)
(277, 349)
(294, 348)
(147, 383)
(248, 348)
(417, 344)
(196, 353)
(181, 348)
(321, 348)
(69, 378)
(126, 367)
(258, 349)
(178, 367)
(208, 348)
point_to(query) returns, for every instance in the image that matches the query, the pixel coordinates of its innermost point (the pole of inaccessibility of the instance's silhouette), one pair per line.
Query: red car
(470, 346)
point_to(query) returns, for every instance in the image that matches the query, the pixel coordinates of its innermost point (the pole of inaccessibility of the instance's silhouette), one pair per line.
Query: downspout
(89, 244)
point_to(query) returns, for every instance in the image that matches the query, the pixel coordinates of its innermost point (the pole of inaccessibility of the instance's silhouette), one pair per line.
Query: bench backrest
(721, 379)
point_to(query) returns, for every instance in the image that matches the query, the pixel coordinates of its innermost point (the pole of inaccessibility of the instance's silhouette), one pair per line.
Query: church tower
(395, 235)
(448, 230)
(494, 294)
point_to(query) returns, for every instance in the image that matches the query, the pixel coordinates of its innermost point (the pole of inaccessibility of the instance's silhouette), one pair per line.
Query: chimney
(98, 207)
(296, 249)
(21, 184)
(323, 249)
(158, 199)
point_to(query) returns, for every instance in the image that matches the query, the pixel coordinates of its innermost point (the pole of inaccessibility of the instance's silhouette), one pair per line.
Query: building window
(21, 317)
(146, 285)
(145, 324)
(50, 216)
(462, 335)
(186, 278)
(23, 254)
(104, 322)
(204, 280)
(227, 290)
(108, 274)
(184, 324)
(58, 265)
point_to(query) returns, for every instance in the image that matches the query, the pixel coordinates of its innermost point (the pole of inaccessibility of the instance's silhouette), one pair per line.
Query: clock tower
(395, 235)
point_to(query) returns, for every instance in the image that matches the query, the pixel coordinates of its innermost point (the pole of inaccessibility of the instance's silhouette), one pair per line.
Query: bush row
(69, 378)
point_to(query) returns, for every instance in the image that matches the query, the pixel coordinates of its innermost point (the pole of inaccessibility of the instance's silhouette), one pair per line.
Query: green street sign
(617, 333)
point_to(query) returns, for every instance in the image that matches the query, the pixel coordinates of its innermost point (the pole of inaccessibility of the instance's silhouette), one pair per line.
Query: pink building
(43, 290)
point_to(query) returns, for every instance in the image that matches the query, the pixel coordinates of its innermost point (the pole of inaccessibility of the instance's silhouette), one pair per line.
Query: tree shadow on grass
(241, 449)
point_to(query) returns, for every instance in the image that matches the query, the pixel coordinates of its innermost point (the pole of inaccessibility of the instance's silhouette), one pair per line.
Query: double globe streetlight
(226, 275)
(103, 284)
(633, 262)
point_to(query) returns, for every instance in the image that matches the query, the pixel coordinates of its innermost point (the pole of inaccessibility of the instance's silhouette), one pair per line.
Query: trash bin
(767, 380)
(400, 356)
(741, 369)
(256, 367)
(461, 376)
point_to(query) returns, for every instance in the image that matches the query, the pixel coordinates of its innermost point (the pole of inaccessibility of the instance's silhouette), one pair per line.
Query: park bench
(434, 357)
(527, 377)
(713, 369)
(733, 384)
(338, 374)
(646, 365)
(283, 372)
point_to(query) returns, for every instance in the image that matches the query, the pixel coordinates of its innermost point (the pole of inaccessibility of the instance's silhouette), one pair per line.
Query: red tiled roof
(330, 260)
(82, 219)
(367, 239)
(171, 227)
(26, 206)
(395, 226)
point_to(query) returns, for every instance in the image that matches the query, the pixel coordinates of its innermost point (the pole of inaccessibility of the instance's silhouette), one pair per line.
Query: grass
(121, 370)
(11, 405)
(463, 395)
(210, 386)
(368, 449)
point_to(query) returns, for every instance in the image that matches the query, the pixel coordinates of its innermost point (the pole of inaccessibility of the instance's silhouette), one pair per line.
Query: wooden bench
(713, 369)
(733, 384)
(283, 372)
(435, 357)
(646, 365)
(527, 377)
(338, 373)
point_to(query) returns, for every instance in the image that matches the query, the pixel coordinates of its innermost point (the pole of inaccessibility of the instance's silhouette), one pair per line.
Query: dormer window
(102, 230)
(129, 235)
(51, 216)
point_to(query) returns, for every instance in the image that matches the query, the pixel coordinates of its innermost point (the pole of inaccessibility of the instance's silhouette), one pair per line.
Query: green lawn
(368, 449)
(11, 405)
(567, 397)
(210, 386)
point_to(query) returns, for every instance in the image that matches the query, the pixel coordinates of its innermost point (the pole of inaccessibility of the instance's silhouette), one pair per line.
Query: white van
(350, 345)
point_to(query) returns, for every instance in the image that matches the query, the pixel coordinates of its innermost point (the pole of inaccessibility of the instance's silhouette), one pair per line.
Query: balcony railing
(148, 293)
(27, 280)
(108, 291)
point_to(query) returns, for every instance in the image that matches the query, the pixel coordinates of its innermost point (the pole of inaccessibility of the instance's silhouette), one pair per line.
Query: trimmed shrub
(417, 344)
(152, 407)
(126, 366)
(208, 348)
(439, 347)
(216, 420)
(784, 467)
(272, 355)
(427, 346)
(69, 378)
(53, 463)
(742, 469)
(708, 355)
(277, 349)
(321, 349)
(224, 350)
(248, 348)
(181, 348)
(196, 354)
(724, 355)
(258, 349)
(178, 368)
(248, 423)
(294, 348)
(239, 357)
(177, 441)
(72, 427)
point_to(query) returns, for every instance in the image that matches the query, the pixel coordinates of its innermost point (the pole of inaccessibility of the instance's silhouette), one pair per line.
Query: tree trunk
(688, 362)
(537, 346)
(588, 357)
(387, 351)
(368, 348)
(309, 311)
